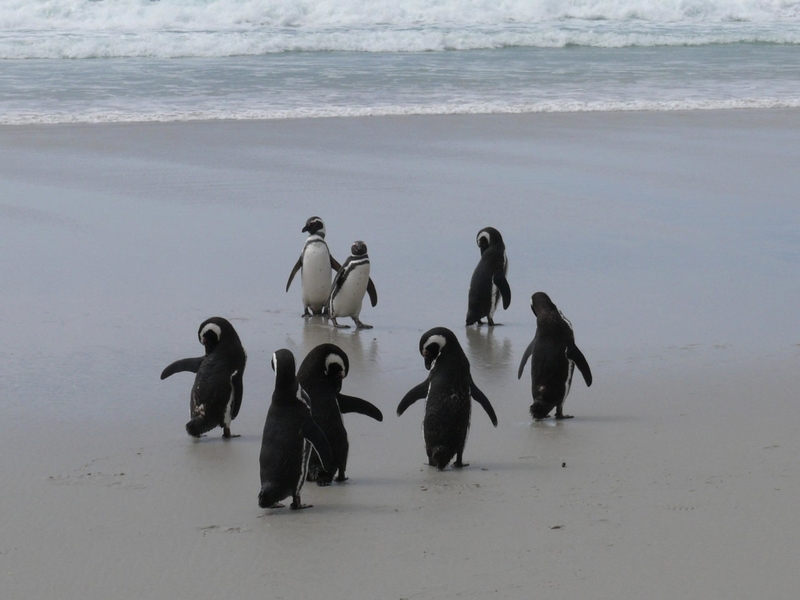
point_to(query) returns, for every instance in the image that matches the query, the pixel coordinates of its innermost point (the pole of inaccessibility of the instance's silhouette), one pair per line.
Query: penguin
(488, 282)
(217, 391)
(315, 265)
(447, 392)
(289, 436)
(349, 285)
(555, 357)
(320, 375)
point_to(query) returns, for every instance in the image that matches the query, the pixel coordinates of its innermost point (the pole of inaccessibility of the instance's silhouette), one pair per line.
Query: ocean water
(64, 61)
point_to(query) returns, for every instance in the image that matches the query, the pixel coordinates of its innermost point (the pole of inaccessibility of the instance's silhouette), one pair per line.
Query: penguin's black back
(282, 444)
(322, 390)
(448, 404)
(552, 346)
(491, 264)
(218, 379)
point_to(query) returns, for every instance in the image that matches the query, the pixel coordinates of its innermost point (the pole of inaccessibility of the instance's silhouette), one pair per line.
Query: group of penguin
(304, 436)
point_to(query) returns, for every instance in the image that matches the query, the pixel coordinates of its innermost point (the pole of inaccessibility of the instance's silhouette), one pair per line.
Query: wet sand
(668, 239)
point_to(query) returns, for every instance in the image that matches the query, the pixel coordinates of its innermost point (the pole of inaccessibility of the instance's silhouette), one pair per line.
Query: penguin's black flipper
(348, 404)
(481, 399)
(576, 356)
(184, 364)
(416, 393)
(296, 268)
(335, 264)
(525, 356)
(505, 290)
(314, 434)
(373, 293)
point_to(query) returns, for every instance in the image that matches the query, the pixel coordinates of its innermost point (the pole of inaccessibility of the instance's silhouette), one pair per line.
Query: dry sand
(670, 241)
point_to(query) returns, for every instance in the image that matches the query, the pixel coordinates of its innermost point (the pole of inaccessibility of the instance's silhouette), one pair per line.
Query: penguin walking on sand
(447, 392)
(315, 265)
(349, 286)
(488, 284)
(554, 358)
(290, 435)
(320, 375)
(217, 391)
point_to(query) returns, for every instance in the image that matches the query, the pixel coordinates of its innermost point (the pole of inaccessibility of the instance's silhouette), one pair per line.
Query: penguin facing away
(320, 375)
(216, 395)
(290, 435)
(554, 358)
(488, 284)
(349, 286)
(315, 265)
(447, 392)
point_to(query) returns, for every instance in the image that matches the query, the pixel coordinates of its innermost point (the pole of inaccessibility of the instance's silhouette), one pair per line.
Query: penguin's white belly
(495, 300)
(316, 276)
(347, 301)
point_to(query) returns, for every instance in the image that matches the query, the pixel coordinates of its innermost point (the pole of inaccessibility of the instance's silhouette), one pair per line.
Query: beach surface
(670, 240)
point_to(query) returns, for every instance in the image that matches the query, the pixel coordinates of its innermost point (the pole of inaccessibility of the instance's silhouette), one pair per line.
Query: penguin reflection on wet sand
(555, 357)
(217, 391)
(447, 392)
(488, 282)
(315, 265)
(290, 435)
(349, 286)
(320, 375)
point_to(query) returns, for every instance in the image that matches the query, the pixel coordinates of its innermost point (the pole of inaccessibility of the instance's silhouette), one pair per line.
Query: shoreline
(654, 107)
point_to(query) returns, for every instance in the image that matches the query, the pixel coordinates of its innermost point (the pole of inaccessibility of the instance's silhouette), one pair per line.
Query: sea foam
(209, 28)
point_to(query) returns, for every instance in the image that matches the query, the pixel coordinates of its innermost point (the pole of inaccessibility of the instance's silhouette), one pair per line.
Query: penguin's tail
(441, 457)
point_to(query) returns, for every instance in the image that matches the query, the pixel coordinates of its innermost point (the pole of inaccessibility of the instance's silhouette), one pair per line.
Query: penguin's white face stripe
(435, 339)
(484, 235)
(322, 229)
(274, 362)
(301, 395)
(211, 327)
(566, 320)
(334, 359)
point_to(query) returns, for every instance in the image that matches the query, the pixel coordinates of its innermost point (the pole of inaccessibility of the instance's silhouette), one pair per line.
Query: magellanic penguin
(349, 286)
(315, 265)
(290, 435)
(447, 392)
(488, 282)
(320, 375)
(217, 392)
(555, 357)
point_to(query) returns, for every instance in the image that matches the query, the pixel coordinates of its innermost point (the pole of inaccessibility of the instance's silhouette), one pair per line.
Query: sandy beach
(670, 240)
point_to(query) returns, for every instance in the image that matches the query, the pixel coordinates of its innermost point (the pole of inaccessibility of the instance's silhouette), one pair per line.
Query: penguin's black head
(488, 236)
(315, 225)
(336, 366)
(358, 248)
(432, 344)
(283, 365)
(212, 331)
(541, 304)
(540, 410)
